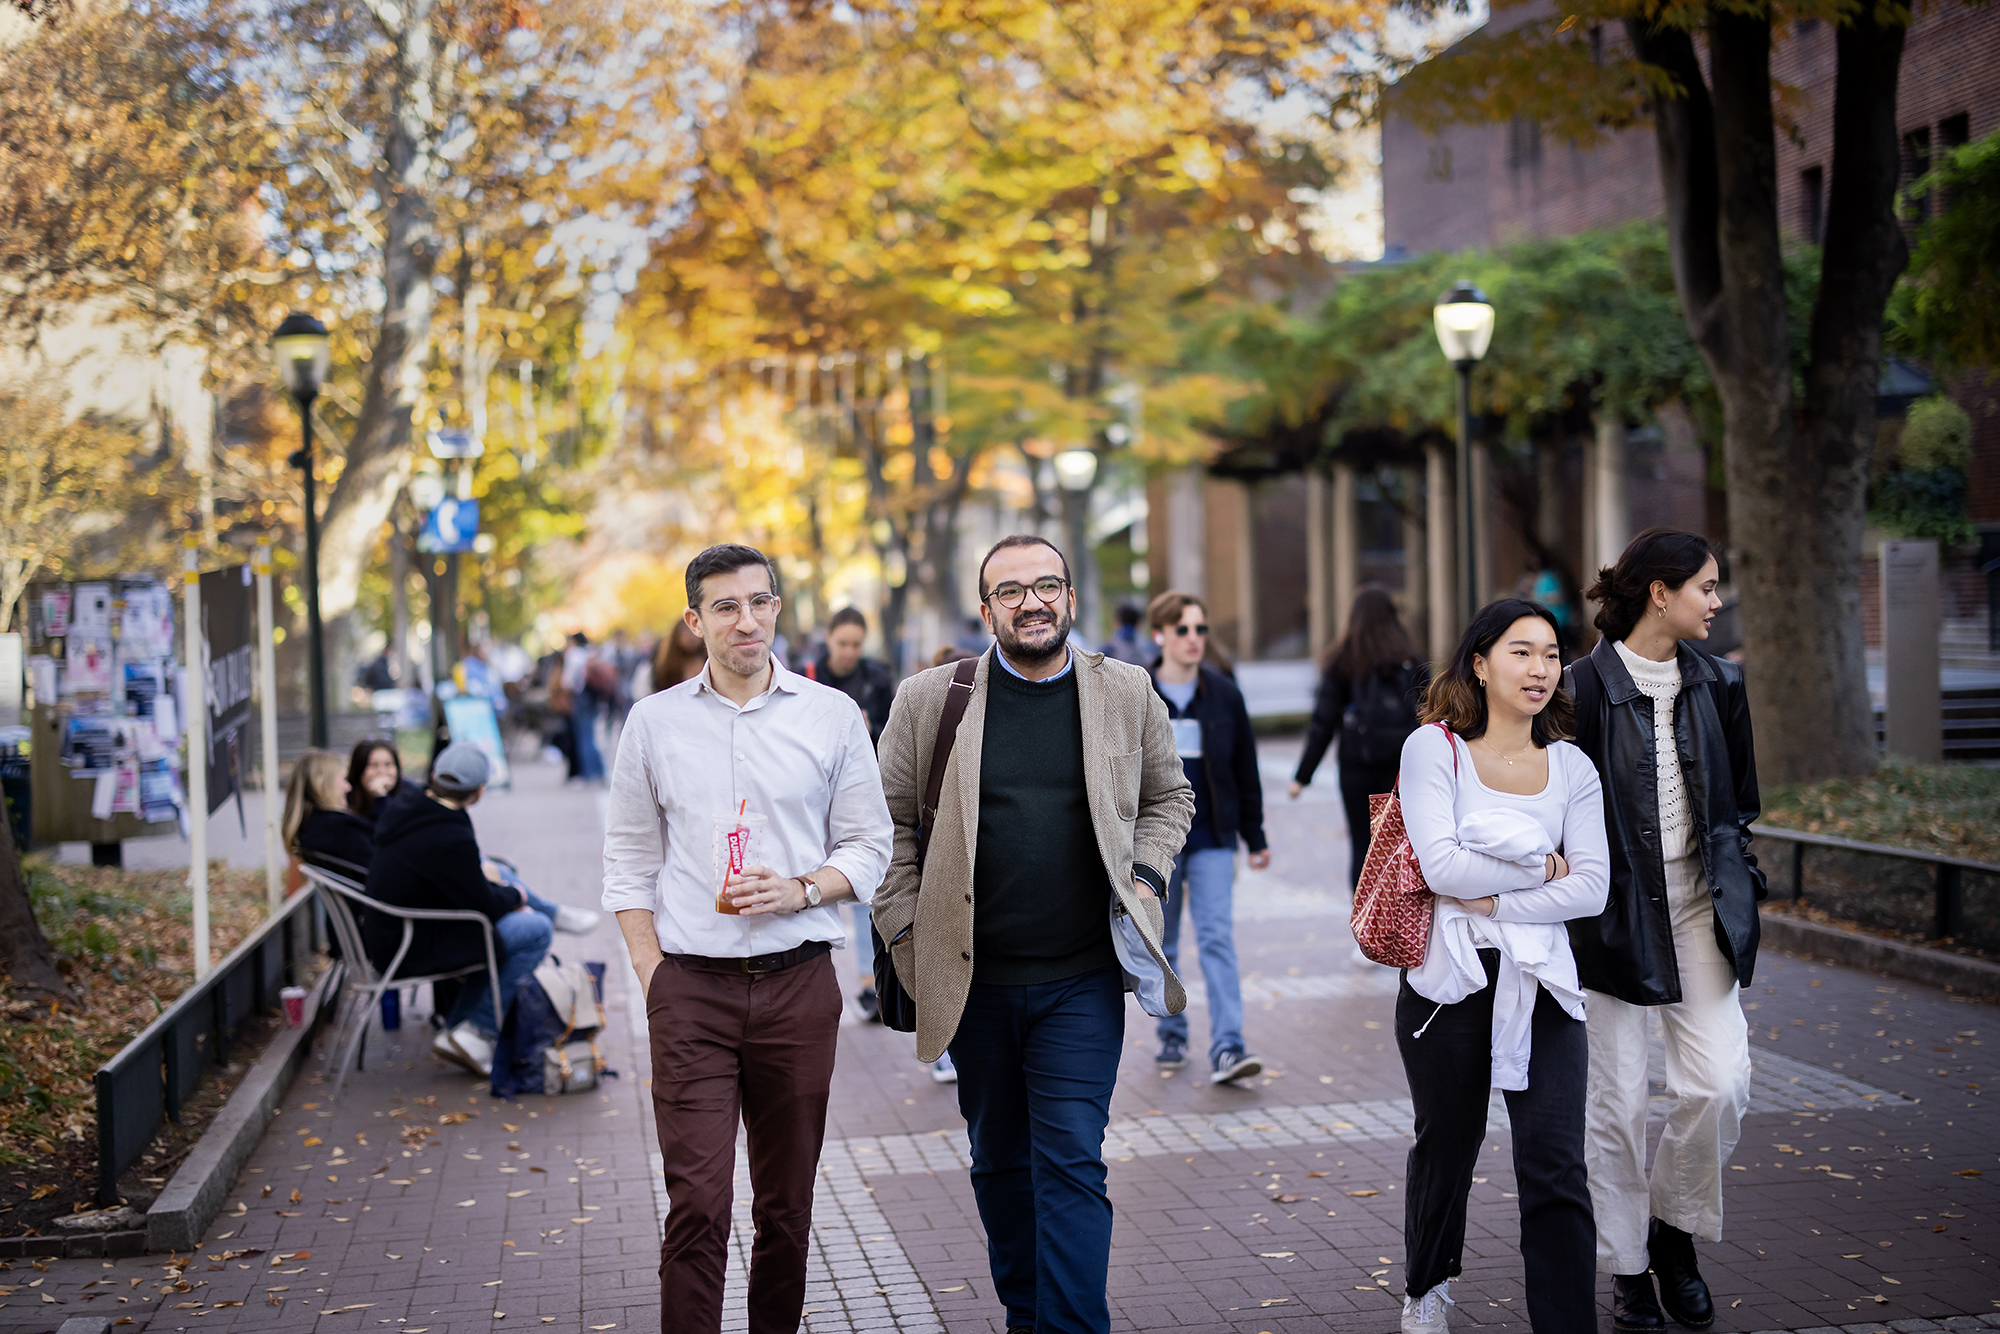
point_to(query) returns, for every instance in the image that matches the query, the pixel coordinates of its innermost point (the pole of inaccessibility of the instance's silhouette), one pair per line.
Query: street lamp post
(300, 349)
(1464, 328)
(1076, 469)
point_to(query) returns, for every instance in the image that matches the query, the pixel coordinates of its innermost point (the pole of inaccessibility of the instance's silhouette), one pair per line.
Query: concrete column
(1416, 565)
(1440, 553)
(1246, 573)
(1321, 615)
(1610, 513)
(1912, 711)
(1182, 558)
(1346, 545)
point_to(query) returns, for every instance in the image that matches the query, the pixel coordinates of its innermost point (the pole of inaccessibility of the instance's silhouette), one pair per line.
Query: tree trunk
(378, 454)
(1796, 499)
(24, 951)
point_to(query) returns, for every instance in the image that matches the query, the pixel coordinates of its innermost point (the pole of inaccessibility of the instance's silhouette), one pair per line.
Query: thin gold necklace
(1497, 753)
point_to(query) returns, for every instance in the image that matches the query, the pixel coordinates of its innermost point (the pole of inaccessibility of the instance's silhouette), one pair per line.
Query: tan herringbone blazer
(1139, 799)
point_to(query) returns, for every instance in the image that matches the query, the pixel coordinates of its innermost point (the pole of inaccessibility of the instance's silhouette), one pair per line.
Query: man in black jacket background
(1219, 754)
(426, 856)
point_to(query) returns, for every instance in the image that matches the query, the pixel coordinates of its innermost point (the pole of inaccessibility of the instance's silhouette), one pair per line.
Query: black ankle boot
(1683, 1294)
(1634, 1309)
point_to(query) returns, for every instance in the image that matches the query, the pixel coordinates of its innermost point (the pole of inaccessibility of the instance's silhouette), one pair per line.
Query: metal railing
(1948, 899)
(153, 1077)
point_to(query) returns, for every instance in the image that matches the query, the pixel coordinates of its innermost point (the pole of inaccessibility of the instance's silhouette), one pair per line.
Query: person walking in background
(589, 761)
(870, 684)
(872, 687)
(1369, 687)
(741, 997)
(1668, 727)
(1125, 644)
(677, 657)
(1219, 755)
(1063, 807)
(1506, 819)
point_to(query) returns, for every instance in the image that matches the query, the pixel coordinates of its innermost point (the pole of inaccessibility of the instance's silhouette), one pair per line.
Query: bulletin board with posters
(106, 690)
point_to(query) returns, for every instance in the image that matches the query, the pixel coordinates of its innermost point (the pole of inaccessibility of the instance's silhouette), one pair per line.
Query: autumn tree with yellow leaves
(1022, 206)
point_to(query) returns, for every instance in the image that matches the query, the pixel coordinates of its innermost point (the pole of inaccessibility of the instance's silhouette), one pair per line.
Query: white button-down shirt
(798, 754)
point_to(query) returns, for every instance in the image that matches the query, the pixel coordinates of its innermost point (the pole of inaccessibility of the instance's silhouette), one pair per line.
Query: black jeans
(1356, 786)
(1449, 1069)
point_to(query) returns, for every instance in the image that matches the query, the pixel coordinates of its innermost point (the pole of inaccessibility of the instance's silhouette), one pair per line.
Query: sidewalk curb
(190, 1201)
(1917, 963)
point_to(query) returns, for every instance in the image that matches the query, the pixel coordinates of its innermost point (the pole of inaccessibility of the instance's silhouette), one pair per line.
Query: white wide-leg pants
(1707, 1072)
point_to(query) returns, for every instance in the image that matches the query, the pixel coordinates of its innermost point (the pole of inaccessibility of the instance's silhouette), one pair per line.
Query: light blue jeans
(1206, 882)
(525, 935)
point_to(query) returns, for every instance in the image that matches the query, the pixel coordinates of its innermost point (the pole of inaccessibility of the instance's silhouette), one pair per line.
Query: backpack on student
(1378, 720)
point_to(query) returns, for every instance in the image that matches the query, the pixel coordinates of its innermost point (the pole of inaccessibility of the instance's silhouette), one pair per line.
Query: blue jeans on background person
(583, 715)
(525, 936)
(1206, 882)
(1036, 1066)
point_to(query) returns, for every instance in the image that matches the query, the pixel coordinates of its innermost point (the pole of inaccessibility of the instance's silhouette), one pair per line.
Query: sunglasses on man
(1183, 631)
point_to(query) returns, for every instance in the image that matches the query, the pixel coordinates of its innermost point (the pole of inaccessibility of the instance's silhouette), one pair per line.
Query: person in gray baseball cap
(426, 856)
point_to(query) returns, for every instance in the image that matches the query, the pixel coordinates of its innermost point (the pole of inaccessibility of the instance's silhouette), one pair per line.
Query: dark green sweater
(1042, 905)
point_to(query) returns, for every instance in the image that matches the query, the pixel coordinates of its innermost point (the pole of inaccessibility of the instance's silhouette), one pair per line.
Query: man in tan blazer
(1037, 908)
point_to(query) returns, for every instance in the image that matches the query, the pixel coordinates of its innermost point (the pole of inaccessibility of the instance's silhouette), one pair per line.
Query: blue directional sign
(452, 525)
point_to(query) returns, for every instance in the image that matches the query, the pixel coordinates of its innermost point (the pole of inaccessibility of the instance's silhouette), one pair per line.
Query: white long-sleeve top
(798, 754)
(1660, 682)
(1472, 841)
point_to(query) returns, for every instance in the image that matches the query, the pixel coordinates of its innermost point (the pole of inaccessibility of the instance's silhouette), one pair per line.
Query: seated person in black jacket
(319, 828)
(426, 856)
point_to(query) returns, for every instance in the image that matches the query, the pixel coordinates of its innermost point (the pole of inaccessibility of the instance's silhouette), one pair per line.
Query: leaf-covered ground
(124, 941)
(1947, 808)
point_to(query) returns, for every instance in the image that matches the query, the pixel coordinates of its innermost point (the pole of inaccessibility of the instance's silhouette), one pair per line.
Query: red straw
(744, 806)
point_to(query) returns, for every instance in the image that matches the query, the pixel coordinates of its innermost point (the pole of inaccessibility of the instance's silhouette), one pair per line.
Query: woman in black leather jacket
(1669, 729)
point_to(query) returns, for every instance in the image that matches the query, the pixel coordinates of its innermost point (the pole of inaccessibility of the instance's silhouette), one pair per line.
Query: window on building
(1440, 166)
(1954, 131)
(1524, 144)
(1812, 204)
(1916, 164)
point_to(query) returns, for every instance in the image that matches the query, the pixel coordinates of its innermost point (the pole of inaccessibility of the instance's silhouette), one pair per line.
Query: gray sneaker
(1232, 1065)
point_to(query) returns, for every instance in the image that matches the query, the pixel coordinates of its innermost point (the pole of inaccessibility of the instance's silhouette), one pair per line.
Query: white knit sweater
(1661, 683)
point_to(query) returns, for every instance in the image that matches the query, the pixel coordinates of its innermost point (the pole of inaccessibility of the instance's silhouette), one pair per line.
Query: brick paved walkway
(1862, 1198)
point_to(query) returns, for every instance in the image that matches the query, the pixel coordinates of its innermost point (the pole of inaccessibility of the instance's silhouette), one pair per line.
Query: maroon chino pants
(757, 1047)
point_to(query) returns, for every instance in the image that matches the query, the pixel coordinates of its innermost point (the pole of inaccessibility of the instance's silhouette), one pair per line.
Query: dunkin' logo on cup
(739, 842)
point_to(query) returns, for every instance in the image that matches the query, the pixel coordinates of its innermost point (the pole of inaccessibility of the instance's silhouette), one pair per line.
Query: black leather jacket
(1627, 951)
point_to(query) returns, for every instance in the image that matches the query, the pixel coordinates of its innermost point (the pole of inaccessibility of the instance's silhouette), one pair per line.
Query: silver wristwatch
(812, 892)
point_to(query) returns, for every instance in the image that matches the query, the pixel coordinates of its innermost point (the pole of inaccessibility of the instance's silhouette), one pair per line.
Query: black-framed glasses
(1012, 595)
(1183, 631)
(763, 606)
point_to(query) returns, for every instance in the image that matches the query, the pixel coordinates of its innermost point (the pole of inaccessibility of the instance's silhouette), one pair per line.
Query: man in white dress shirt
(741, 999)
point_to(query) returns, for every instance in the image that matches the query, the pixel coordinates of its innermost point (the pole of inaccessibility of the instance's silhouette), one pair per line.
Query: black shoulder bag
(898, 1006)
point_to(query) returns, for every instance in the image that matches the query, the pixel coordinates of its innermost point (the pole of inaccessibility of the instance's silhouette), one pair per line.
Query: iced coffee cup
(738, 841)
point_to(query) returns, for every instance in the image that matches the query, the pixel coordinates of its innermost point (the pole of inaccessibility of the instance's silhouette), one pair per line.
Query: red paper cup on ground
(736, 841)
(295, 1005)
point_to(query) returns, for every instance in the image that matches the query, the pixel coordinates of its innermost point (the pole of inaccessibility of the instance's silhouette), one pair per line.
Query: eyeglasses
(1183, 631)
(1011, 596)
(763, 606)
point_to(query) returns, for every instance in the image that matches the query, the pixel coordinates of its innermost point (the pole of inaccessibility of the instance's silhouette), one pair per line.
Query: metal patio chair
(364, 983)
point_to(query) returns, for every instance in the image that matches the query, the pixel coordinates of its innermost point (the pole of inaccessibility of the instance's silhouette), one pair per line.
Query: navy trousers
(1036, 1066)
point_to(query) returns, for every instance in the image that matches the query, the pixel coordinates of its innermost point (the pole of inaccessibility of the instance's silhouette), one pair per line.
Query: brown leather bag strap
(956, 696)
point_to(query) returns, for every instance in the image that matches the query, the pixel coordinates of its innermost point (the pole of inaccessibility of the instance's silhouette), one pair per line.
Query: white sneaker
(943, 1071)
(467, 1046)
(1425, 1314)
(577, 921)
